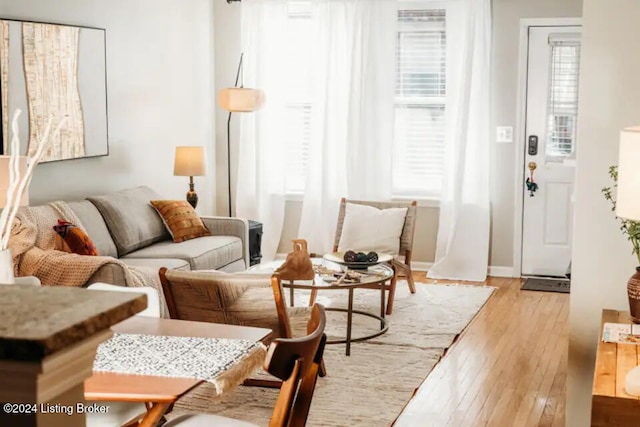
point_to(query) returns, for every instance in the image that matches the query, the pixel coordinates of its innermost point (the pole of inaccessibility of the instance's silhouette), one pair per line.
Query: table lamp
(4, 180)
(628, 201)
(6, 260)
(628, 207)
(189, 161)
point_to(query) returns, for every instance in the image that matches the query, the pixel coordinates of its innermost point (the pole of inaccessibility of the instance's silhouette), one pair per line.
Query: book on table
(621, 333)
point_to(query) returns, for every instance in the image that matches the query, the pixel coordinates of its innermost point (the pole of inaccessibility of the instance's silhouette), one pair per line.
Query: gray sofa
(123, 225)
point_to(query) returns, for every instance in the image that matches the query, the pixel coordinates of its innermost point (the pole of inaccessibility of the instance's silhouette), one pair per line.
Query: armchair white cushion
(367, 228)
(153, 299)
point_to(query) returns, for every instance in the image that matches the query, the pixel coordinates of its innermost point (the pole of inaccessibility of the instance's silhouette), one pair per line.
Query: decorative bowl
(338, 258)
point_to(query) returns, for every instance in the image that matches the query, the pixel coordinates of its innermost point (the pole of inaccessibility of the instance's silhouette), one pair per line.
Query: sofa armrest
(110, 273)
(225, 226)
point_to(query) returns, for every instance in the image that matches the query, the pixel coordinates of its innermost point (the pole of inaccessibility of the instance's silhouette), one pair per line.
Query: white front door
(550, 147)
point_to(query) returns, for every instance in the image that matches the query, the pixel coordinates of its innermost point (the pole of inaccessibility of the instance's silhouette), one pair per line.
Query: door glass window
(562, 110)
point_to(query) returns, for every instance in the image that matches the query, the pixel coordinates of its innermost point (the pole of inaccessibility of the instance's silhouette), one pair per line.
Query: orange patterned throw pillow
(181, 219)
(75, 238)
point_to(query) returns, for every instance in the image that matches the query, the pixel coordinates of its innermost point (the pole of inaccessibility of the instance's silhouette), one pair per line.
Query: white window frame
(295, 193)
(424, 199)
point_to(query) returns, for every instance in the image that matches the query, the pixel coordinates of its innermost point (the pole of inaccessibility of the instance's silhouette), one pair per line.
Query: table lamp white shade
(189, 161)
(628, 197)
(4, 180)
(241, 99)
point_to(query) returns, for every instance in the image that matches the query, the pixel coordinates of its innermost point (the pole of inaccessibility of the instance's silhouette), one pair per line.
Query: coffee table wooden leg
(349, 320)
(155, 414)
(392, 292)
(291, 296)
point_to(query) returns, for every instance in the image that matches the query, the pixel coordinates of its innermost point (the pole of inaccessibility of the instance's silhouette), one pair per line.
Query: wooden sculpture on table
(298, 265)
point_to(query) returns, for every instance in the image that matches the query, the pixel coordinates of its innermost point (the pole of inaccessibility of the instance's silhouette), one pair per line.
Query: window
(298, 102)
(418, 156)
(562, 106)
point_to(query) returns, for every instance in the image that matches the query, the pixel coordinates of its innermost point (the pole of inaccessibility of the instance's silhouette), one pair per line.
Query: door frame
(520, 127)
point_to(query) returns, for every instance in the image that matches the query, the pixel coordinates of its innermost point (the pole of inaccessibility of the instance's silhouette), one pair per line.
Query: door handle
(532, 186)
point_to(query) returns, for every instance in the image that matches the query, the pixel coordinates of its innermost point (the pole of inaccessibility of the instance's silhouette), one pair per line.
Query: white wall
(159, 76)
(602, 260)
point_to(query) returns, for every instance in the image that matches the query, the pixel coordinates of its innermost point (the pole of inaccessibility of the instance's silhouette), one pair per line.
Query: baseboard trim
(421, 265)
(500, 271)
(494, 270)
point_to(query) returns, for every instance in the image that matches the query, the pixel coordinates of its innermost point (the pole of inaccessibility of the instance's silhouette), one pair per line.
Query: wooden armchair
(297, 363)
(235, 299)
(402, 262)
(231, 298)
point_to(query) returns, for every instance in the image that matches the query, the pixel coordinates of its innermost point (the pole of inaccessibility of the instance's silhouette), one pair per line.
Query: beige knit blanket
(33, 247)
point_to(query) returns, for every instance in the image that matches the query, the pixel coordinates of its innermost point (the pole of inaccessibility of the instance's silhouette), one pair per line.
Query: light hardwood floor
(508, 368)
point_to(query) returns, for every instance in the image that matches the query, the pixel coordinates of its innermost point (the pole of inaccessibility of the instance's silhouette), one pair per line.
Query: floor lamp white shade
(4, 180)
(237, 100)
(628, 197)
(241, 99)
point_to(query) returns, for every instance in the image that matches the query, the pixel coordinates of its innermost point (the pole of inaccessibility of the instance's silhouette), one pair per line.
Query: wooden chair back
(296, 361)
(408, 230)
(226, 298)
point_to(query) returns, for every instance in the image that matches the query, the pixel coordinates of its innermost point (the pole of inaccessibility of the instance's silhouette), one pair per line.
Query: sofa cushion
(75, 238)
(203, 253)
(132, 221)
(95, 227)
(181, 220)
(157, 263)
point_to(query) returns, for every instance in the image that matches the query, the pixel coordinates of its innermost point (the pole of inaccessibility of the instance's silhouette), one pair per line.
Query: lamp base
(192, 196)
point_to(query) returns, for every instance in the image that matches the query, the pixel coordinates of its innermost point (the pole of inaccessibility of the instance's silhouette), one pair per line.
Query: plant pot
(6, 268)
(633, 291)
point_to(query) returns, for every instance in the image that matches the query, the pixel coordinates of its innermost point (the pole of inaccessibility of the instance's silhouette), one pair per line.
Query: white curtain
(260, 187)
(462, 248)
(352, 111)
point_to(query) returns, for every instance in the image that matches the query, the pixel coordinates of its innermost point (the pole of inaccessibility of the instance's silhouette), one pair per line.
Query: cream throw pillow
(367, 229)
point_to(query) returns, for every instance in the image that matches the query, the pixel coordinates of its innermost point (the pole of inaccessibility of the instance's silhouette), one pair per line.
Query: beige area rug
(371, 387)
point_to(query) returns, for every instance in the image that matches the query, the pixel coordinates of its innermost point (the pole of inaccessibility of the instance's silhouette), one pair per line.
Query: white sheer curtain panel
(462, 248)
(352, 113)
(260, 185)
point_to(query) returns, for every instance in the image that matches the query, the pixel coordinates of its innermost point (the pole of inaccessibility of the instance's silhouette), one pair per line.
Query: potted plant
(632, 230)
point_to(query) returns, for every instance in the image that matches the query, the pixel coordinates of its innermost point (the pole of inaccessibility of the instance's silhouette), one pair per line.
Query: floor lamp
(238, 99)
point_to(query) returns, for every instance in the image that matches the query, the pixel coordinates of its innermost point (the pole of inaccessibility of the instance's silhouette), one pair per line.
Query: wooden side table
(611, 406)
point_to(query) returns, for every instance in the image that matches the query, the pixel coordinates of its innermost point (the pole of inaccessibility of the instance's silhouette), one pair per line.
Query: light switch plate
(504, 134)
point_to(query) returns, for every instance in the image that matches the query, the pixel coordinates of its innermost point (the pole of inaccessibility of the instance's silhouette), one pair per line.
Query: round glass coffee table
(374, 277)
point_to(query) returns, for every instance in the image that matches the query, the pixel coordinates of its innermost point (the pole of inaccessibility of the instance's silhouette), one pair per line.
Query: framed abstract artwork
(51, 71)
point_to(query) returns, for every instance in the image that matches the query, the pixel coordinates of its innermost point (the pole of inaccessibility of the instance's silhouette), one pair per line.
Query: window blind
(298, 96)
(418, 154)
(298, 134)
(562, 108)
(418, 157)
